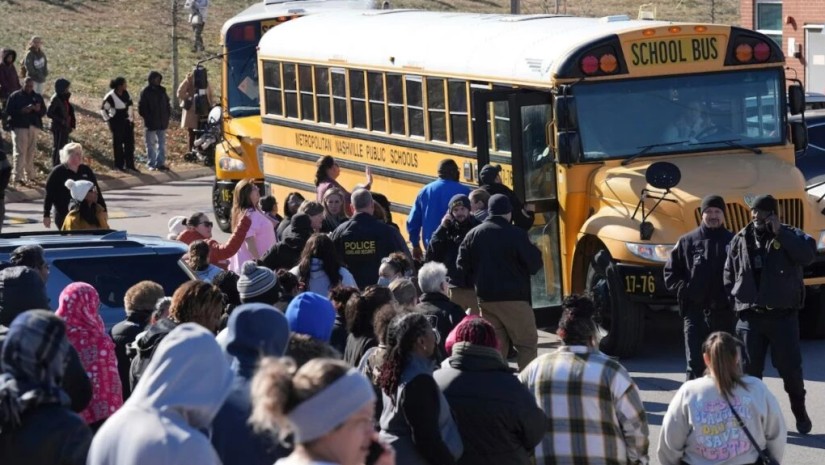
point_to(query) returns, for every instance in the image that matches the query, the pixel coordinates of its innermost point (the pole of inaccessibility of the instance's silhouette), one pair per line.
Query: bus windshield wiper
(731, 143)
(647, 148)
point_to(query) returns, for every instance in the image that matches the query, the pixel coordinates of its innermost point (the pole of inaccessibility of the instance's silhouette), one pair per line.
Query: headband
(326, 410)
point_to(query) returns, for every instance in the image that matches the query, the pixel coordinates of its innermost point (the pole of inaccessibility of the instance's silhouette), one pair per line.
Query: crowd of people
(322, 338)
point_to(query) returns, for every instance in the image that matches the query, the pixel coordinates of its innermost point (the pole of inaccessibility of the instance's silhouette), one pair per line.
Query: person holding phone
(25, 109)
(763, 274)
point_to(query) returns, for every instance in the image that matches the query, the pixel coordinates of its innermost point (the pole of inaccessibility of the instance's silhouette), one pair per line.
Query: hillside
(92, 41)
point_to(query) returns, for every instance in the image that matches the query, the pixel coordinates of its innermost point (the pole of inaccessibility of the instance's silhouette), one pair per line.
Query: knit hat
(712, 201)
(448, 169)
(459, 200)
(766, 203)
(255, 280)
(176, 227)
(21, 289)
(499, 204)
(488, 174)
(254, 331)
(79, 189)
(311, 314)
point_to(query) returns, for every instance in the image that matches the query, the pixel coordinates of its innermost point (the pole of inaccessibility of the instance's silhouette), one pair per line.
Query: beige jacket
(186, 91)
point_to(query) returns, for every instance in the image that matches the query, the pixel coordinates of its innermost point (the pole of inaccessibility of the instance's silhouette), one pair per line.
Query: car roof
(103, 239)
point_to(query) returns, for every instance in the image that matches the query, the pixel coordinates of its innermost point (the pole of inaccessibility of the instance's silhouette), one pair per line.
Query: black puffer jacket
(287, 253)
(446, 313)
(498, 418)
(49, 435)
(443, 247)
(154, 105)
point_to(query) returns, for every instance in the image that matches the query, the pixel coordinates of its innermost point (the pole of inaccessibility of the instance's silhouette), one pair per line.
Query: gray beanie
(255, 280)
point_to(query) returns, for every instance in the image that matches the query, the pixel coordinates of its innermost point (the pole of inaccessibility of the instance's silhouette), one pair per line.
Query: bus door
(534, 176)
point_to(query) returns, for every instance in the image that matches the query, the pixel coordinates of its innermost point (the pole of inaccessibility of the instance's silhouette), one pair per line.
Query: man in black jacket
(444, 315)
(61, 112)
(57, 196)
(363, 241)
(489, 179)
(763, 273)
(499, 259)
(155, 110)
(25, 110)
(443, 248)
(694, 272)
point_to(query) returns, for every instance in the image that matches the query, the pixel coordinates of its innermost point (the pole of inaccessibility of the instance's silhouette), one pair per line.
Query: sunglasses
(208, 224)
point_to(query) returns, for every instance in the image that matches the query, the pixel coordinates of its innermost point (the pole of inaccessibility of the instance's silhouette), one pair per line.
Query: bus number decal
(674, 51)
(642, 284)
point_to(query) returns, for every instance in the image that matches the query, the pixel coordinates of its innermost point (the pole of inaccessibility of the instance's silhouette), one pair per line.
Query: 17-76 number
(644, 284)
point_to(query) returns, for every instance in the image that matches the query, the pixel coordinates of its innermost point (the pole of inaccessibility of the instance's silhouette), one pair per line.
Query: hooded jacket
(287, 252)
(145, 346)
(154, 106)
(443, 247)
(9, 80)
(60, 110)
(253, 331)
(37, 66)
(498, 418)
(177, 398)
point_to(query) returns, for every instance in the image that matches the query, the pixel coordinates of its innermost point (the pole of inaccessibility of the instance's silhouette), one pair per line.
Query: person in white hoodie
(320, 269)
(176, 399)
(700, 427)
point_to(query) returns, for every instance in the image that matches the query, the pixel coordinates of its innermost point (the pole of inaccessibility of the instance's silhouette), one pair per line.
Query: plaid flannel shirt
(595, 414)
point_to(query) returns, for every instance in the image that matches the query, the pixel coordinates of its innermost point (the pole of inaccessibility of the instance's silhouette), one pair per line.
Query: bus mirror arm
(661, 175)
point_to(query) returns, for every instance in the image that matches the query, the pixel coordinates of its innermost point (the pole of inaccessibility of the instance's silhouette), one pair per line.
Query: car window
(113, 276)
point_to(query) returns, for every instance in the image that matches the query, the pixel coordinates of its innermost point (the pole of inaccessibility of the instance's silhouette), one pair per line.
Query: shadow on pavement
(816, 441)
(655, 412)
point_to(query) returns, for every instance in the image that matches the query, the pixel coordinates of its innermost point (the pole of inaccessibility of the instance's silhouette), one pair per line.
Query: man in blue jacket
(430, 205)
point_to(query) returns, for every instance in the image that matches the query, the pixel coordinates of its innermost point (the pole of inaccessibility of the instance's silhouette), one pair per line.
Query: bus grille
(738, 215)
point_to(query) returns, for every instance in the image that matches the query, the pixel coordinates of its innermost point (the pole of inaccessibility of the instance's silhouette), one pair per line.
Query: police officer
(363, 241)
(763, 273)
(694, 273)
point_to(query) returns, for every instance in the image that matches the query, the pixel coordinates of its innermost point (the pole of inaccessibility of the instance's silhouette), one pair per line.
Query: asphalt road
(658, 370)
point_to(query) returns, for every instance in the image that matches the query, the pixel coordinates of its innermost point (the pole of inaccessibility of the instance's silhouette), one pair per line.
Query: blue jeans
(156, 147)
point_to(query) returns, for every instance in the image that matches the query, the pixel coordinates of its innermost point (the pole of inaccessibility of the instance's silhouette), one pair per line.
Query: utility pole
(514, 7)
(175, 77)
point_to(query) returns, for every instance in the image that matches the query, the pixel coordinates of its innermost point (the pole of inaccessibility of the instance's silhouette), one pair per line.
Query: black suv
(111, 261)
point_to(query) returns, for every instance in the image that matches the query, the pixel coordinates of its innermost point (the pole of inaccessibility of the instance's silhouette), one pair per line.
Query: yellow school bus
(612, 129)
(236, 157)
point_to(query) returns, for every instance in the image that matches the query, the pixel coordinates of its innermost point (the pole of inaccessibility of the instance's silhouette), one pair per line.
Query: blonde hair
(67, 151)
(723, 351)
(35, 39)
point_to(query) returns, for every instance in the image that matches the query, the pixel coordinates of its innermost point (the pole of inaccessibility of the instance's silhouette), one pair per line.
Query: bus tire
(621, 319)
(812, 315)
(222, 213)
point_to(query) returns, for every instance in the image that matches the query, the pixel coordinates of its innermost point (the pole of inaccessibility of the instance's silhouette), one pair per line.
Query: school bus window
(415, 105)
(378, 119)
(501, 127)
(307, 97)
(436, 107)
(457, 92)
(357, 92)
(339, 97)
(395, 94)
(322, 93)
(291, 90)
(272, 88)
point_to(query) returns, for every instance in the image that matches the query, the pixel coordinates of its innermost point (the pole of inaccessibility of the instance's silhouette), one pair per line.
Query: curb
(145, 178)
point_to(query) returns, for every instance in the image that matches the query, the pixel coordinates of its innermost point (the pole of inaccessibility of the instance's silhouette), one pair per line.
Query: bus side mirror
(568, 147)
(799, 135)
(564, 111)
(796, 99)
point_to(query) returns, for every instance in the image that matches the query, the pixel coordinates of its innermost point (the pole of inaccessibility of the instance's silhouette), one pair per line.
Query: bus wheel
(812, 315)
(621, 321)
(222, 211)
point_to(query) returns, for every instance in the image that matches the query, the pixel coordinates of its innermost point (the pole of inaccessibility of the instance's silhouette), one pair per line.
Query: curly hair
(400, 264)
(361, 309)
(401, 337)
(339, 296)
(197, 302)
(576, 325)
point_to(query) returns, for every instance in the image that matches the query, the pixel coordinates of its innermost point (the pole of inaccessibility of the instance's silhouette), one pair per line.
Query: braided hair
(402, 334)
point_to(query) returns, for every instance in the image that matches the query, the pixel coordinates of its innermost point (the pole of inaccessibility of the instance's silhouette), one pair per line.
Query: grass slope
(90, 42)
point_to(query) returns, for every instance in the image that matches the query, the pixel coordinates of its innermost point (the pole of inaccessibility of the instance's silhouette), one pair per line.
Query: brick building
(798, 26)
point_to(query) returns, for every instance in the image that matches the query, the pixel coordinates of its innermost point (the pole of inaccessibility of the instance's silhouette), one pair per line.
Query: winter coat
(37, 66)
(443, 247)
(154, 106)
(145, 346)
(695, 267)
(362, 242)
(447, 315)
(123, 334)
(163, 422)
(319, 282)
(49, 435)
(519, 218)
(59, 197)
(60, 110)
(74, 222)
(186, 92)
(430, 205)
(9, 80)
(20, 100)
(499, 259)
(287, 252)
(498, 418)
(780, 285)
(220, 253)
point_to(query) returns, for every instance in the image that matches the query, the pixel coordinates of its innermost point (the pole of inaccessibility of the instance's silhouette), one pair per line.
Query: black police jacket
(499, 259)
(362, 242)
(780, 285)
(695, 267)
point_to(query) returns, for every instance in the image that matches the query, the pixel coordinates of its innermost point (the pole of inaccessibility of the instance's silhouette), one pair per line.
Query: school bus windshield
(686, 113)
(242, 69)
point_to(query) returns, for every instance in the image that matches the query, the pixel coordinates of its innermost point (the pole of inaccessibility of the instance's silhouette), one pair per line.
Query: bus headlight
(652, 252)
(231, 164)
(820, 244)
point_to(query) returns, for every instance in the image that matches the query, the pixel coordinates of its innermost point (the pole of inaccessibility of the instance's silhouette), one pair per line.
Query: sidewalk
(108, 183)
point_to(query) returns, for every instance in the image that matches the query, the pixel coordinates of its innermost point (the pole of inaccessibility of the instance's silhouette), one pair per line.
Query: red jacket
(220, 253)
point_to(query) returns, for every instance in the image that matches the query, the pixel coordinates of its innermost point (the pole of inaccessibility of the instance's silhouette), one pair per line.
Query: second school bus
(580, 113)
